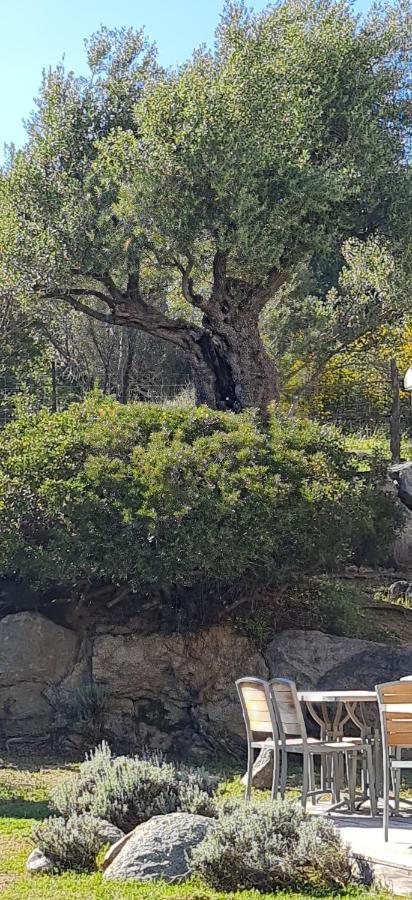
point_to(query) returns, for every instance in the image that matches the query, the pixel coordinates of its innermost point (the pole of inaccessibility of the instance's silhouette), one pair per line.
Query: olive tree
(180, 203)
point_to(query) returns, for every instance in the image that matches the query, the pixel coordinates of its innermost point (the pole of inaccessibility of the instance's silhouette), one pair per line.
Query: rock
(317, 660)
(38, 863)
(19, 704)
(114, 850)
(160, 848)
(402, 548)
(35, 654)
(181, 685)
(402, 475)
(398, 590)
(262, 769)
(109, 833)
(34, 649)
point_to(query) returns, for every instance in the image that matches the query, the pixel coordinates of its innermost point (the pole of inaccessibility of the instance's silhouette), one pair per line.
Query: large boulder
(317, 660)
(36, 655)
(160, 849)
(177, 691)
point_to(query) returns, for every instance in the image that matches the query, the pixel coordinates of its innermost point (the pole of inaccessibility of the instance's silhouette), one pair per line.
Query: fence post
(395, 442)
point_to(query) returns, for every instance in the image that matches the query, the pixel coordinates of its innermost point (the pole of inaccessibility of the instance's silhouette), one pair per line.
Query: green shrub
(326, 605)
(71, 843)
(129, 790)
(272, 846)
(148, 495)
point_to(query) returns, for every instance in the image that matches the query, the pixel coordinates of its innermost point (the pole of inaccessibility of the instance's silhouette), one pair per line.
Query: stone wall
(172, 691)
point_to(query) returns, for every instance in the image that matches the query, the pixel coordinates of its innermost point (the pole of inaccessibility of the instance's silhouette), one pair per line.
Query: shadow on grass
(24, 809)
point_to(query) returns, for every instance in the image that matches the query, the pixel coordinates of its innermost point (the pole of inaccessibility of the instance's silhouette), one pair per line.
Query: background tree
(358, 324)
(218, 181)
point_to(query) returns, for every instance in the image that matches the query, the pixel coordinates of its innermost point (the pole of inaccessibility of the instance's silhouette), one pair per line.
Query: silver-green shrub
(129, 790)
(71, 843)
(270, 847)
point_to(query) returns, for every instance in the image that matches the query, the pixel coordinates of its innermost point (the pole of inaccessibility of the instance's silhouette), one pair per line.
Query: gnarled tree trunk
(230, 367)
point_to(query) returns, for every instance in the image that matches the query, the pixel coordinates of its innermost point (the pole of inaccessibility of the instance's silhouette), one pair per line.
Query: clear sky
(36, 33)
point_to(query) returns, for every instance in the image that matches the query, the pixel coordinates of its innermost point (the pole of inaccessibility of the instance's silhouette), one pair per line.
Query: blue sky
(36, 33)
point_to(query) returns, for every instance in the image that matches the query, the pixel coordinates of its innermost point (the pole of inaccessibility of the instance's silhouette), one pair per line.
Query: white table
(346, 703)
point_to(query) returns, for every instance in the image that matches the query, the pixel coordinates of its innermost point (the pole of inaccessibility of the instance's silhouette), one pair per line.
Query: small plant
(271, 847)
(70, 844)
(129, 790)
(259, 627)
(89, 709)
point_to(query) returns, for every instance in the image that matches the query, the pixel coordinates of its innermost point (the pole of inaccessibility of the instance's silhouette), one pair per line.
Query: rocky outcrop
(36, 655)
(314, 659)
(160, 849)
(172, 691)
(176, 691)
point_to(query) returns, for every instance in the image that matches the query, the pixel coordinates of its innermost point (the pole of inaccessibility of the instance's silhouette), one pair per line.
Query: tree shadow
(16, 808)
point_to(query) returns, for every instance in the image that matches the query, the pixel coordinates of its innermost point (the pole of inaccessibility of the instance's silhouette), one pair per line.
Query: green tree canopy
(179, 202)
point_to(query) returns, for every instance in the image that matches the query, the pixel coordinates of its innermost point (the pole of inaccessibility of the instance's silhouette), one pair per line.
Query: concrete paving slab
(391, 862)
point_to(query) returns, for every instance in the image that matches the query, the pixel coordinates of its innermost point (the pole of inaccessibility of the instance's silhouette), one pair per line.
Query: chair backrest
(287, 707)
(395, 708)
(257, 707)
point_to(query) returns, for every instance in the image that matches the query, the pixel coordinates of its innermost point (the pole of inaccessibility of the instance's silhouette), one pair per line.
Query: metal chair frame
(260, 688)
(290, 721)
(395, 710)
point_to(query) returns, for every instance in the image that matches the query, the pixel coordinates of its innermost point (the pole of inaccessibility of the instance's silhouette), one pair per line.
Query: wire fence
(348, 413)
(47, 395)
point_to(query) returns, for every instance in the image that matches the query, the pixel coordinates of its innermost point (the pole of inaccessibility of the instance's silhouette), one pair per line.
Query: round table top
(337, 695)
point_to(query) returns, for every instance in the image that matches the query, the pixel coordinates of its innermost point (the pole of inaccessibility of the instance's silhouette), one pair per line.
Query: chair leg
(371, 780)
(364, 777)
(350, 759)
(283, 774)
(275, 776)
(386, 799)
(336, 785)
(312, 782)
(305, 779)
(397, 781)
(249, 773)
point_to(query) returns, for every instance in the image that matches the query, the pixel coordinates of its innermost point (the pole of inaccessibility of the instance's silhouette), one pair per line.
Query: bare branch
(188, 290)
(103, 278)
(270, 285)
(76, 304)
(90, 292)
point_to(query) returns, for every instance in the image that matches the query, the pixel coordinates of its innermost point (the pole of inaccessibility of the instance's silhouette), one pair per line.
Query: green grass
(24, 791)
(376, 442)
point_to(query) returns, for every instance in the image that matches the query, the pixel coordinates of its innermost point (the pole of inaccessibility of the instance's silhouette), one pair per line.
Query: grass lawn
(24, 791)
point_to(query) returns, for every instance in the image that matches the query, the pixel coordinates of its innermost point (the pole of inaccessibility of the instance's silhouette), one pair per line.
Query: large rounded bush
(272, 846)
(158, 495)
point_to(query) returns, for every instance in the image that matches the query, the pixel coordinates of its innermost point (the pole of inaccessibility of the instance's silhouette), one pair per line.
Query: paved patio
(391, 863)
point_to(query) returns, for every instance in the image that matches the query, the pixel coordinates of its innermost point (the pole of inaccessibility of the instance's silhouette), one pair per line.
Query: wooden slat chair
(293, 738)
(395, 710)
(261, 728)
